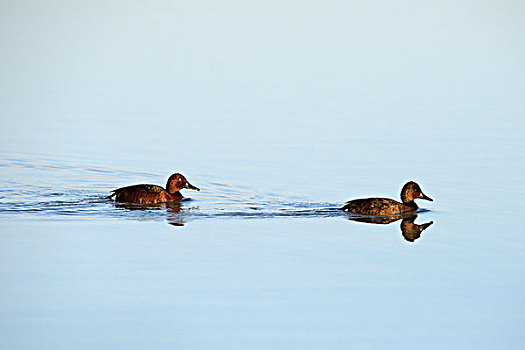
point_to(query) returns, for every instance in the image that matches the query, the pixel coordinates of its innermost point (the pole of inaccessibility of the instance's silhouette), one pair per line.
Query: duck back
(377, 206)
(144, 193)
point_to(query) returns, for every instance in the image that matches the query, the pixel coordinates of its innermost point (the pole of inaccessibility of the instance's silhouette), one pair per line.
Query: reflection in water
(410, 230)
(178, 213)
(173, 210)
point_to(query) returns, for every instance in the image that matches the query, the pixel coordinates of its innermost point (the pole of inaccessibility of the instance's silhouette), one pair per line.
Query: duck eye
(180, 179)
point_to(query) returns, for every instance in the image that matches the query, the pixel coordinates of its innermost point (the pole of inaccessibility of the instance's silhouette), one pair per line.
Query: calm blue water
(279, 116)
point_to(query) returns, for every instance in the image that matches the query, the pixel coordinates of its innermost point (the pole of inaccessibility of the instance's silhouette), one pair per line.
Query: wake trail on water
(36, 188)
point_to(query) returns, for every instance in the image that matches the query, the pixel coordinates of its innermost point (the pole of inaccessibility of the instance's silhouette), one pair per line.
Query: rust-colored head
(177, 182)
(412, 191)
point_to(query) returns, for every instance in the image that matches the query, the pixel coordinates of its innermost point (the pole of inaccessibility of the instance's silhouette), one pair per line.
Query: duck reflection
(174, 211)
(410, 230)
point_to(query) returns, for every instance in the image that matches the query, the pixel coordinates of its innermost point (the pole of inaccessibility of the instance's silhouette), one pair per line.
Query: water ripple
(55, 189)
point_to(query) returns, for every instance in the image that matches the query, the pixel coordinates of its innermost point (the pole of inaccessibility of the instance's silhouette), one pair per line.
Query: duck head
(412, 191)
(177, 182)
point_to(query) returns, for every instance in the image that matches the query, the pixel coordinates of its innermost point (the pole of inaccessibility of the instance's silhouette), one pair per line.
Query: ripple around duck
(99, 206)
(54, 189)
(55, 195)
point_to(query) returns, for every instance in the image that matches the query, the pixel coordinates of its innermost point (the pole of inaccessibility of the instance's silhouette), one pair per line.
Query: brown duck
(387, 206)
(146, 193)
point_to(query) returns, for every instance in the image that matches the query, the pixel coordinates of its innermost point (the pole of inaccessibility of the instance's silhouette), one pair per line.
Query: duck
(151, 194)
(387, 206)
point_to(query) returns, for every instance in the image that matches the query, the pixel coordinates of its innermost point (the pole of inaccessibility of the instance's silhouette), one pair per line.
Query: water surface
(279, 113)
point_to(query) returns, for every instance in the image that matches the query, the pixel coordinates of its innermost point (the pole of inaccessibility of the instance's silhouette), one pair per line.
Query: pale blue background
(272, 108)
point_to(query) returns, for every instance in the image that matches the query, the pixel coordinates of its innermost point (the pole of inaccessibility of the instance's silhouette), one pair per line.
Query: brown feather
(378, 206)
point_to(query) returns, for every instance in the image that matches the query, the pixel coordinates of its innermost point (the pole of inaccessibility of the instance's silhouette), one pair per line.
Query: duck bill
(191, 187)
(424, 196)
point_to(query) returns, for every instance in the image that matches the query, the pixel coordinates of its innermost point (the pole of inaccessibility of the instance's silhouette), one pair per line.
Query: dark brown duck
(387, 206)
(146, 193)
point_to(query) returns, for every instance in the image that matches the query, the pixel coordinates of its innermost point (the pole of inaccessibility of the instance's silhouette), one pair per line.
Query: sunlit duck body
(387, 206)
(152, 193)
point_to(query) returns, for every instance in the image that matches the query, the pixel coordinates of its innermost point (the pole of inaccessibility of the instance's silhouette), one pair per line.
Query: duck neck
(411, 204)
(176, 193)
(174, 196)
(173, 190)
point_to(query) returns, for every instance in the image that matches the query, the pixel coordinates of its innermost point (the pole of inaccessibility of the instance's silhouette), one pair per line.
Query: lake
(279, 117)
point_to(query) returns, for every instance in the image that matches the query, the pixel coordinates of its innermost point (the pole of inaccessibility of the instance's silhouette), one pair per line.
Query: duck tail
(112, 196)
